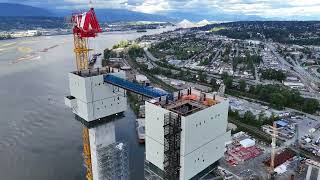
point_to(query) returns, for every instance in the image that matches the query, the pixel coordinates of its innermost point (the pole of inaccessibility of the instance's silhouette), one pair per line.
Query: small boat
(141, 30)
(140, 123)
(94, 59)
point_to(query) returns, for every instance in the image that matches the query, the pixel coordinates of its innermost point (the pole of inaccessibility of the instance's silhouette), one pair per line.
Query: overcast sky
(263, 8)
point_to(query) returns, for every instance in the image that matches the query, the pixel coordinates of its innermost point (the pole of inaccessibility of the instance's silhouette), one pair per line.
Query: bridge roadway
(146, 91)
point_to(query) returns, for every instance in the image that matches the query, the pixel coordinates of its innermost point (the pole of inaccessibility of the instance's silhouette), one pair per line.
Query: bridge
(149, 92)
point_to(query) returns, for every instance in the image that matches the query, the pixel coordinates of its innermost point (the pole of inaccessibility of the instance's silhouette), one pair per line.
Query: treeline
(121, 44)
(249, 61)
(25, 23)
(135, 51)
(181, 49)
(279, 31)
(278, 96)
(272, 74)
(6, 36)
(250, 119)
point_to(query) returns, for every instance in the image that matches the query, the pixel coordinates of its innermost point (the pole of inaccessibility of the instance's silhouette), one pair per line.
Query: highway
(297, 70)
(306, 78)
(313, 94)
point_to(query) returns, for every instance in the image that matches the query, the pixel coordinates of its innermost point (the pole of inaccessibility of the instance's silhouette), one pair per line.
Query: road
(152, 60)
(306, 78)
(297, 70)
(217, 54)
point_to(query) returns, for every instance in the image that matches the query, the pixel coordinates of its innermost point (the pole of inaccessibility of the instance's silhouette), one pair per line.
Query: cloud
(152, 6)
(264, 8)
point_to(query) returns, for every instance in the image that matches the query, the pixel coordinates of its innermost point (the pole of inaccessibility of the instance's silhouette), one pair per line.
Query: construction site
(185, 132)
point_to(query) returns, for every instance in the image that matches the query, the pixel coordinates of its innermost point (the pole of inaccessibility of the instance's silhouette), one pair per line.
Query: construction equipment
(298, 165)
(273, 145)
(85, 26)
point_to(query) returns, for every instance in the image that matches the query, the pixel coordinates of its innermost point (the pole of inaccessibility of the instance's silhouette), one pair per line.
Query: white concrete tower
(186, 137)
(91, 98)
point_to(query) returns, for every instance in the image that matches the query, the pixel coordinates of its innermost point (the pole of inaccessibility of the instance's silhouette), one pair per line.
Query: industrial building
(185, 137)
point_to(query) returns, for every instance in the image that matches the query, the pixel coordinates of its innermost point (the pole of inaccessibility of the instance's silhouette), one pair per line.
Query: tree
(252, 89)
(270, 120)
(213, 82)
(234, 114)
(107, 53)
(273, 74)
(248, 117)
(204, 62)
(202, 76)
(277, 100)
(188, 74)
(182, 74)
(122, 44)
(156, 70)
(242, 85)
(135, 51)
(104, 62)
(310, 106)
(227, 80)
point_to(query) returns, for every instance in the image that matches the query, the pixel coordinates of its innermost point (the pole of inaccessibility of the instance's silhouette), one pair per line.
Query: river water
(39, 137)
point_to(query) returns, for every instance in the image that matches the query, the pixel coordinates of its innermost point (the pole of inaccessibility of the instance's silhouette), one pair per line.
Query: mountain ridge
(104, 15)
(20, 10)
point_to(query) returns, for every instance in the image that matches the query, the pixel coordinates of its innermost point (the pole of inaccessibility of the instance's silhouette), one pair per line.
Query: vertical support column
(318, 178)
(309, 172)
(87, 152)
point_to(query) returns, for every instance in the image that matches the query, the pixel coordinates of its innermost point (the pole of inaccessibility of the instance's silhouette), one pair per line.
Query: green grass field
(216, 29)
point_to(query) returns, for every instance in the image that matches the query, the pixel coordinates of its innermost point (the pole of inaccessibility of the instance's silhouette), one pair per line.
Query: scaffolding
(113, 162)
(172, 138)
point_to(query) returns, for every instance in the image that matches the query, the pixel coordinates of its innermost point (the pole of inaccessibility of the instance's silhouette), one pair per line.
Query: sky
(282, 9)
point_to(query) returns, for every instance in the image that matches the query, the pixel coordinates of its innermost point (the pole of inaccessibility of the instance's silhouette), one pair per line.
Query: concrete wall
(198, 160)
(96, 99)
(100, 136)
(155, 134)
(203, 126)
(203, 139)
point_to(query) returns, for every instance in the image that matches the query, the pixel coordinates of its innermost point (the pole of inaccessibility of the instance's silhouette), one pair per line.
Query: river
(39, 137)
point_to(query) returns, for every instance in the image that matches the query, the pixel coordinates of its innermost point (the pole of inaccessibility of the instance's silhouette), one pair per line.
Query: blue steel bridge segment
(134, 87)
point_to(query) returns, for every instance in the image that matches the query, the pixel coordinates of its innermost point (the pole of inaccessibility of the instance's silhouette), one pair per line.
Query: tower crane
(85, 26)
(273, 146)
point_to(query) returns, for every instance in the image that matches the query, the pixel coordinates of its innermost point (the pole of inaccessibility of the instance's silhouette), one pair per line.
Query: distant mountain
(104, 15)
(19, 10)
(116, 15)
(203, 23)
(214, 16)
(186, 24)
